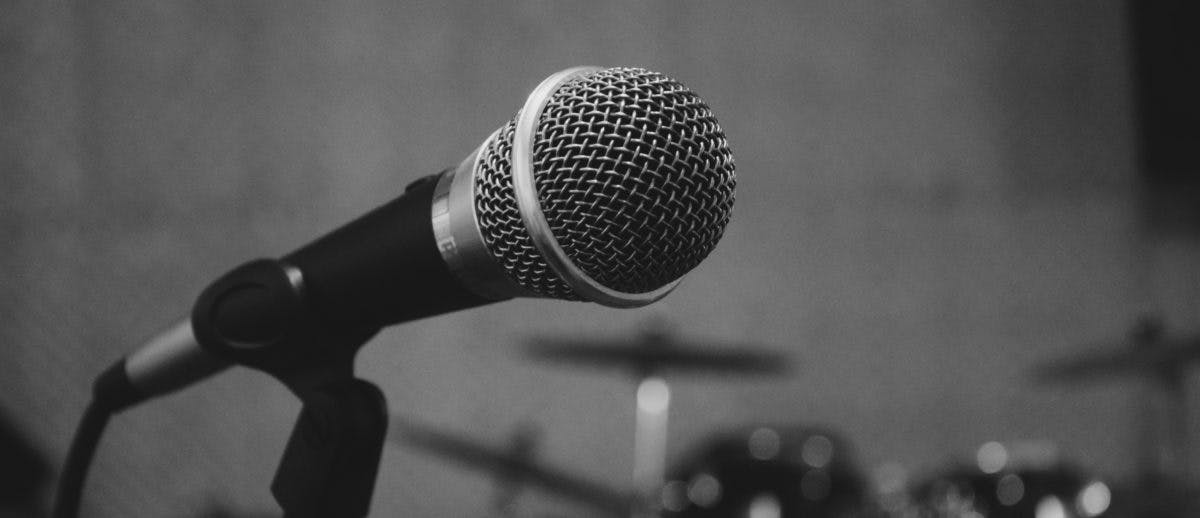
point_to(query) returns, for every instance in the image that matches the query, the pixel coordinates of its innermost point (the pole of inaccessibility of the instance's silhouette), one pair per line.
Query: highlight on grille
(633, 174)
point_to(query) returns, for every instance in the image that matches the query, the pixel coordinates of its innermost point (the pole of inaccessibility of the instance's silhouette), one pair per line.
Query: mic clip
(258, 315)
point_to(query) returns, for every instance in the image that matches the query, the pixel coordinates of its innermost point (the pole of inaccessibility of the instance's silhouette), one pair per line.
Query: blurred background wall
(933, 197)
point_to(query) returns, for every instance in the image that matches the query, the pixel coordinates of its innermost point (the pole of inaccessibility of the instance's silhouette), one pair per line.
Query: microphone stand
(332, 456)
(257, 315)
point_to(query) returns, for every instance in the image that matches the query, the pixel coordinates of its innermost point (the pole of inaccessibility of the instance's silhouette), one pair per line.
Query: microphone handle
(384, 267)
(380, 269)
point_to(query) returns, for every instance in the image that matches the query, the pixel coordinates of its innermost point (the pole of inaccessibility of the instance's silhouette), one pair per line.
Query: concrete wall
(933, 196)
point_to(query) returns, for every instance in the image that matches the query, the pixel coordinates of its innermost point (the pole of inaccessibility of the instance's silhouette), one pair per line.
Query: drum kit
(805, 471)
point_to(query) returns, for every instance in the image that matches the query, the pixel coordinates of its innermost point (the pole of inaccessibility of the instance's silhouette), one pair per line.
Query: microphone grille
(633, 174)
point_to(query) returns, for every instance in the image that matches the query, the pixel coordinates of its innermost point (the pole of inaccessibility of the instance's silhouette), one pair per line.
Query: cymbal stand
(653, 403)
(1165, 460)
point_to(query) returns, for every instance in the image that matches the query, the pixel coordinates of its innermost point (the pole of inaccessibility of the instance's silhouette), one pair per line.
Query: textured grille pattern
(501, 225)
(633, 174)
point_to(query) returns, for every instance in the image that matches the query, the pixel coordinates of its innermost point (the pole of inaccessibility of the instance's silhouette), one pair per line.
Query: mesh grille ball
(633, 174)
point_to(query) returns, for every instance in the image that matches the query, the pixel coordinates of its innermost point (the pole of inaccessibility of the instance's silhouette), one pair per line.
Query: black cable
(79, 458)
(111, 393)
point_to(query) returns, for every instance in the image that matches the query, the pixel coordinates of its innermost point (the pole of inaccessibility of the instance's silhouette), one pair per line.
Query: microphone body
(381, 269)
(608, 186)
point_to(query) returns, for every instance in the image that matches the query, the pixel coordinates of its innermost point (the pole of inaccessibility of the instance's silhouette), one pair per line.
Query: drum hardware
(1163, 363)
(515, 467)
(647, 356)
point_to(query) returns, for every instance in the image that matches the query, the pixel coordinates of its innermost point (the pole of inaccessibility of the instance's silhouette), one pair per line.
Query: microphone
(607, 186)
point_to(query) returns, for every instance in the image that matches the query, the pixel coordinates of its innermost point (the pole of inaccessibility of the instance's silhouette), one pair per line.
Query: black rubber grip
(384, 267)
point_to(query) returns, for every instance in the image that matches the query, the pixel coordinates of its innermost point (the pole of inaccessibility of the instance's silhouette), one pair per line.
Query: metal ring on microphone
(530, 208)
(456, 231)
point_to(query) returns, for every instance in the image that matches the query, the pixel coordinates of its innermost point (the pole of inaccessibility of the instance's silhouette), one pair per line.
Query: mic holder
(258, 315)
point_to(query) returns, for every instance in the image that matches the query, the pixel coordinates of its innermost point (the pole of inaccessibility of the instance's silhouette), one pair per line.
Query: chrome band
(456, 231)
(531, 211)
(170, 361)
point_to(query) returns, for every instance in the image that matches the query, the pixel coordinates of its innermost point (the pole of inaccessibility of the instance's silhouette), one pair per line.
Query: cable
(79, 458)
(111, 393)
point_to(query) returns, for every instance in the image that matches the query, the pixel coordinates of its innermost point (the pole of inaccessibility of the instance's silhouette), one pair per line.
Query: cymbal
(652, 352)
(1161, 416)
(512, 465)
(1129, 359)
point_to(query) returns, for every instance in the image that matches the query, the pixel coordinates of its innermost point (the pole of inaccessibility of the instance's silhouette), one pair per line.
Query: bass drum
(767, 472)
